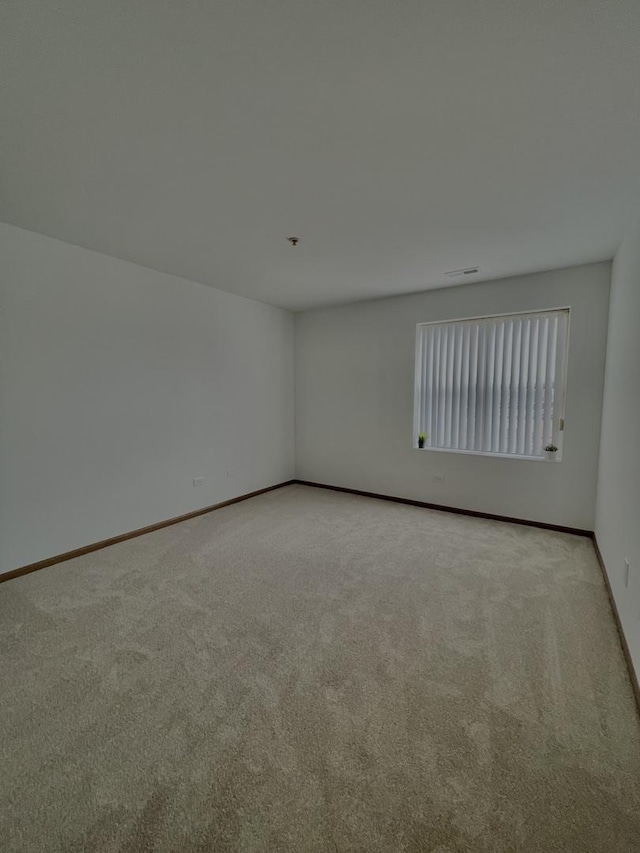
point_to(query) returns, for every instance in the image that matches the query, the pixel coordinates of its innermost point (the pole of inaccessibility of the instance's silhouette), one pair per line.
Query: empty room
(319, 406)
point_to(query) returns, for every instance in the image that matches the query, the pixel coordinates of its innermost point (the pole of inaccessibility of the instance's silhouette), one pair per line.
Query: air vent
(457, 273)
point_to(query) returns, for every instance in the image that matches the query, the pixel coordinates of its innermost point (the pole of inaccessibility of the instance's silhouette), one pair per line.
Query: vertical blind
(494, 384)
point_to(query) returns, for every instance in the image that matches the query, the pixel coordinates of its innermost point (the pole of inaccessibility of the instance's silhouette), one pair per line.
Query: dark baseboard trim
(104, 543)
(616, 618)
(114, 540)
(635, 685)
(577, 531)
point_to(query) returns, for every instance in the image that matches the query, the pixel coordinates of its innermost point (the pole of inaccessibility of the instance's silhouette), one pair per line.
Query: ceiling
(397, 140)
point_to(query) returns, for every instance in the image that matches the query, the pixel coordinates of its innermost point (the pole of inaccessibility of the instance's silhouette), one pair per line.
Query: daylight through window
(492, 384)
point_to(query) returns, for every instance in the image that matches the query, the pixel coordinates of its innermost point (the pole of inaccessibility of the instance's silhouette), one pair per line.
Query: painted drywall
(118, 386)
(396, 139)
(354, 400)
(618, 505)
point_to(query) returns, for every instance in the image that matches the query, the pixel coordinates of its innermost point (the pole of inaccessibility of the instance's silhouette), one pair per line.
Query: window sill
(489, 453)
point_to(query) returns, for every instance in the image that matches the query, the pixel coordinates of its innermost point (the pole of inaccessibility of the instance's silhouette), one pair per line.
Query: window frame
(558, 438)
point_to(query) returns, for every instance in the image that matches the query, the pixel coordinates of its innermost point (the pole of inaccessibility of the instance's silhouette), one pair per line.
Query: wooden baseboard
(104, 543)
(616, 618)
(96, 546)
(577, 531)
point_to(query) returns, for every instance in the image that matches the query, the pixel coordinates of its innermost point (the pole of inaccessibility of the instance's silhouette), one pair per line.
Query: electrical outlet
(438, 478)
(198, 481)
(231, 473)
(626, 571)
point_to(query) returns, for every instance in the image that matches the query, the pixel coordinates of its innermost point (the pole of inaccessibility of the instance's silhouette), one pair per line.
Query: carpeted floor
(312, 671)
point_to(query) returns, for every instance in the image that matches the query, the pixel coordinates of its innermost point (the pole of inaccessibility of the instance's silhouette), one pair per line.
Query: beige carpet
(311, 671)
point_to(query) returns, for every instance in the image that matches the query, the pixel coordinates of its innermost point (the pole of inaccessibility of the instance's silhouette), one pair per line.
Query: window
(492, 384)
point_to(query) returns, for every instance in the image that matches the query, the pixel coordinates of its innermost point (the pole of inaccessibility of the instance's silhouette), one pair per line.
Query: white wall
(618, 506)
(118, 386)
(354, 400)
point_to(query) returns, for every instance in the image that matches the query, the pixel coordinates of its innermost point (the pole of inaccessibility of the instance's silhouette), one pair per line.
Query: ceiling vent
(460, 273)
